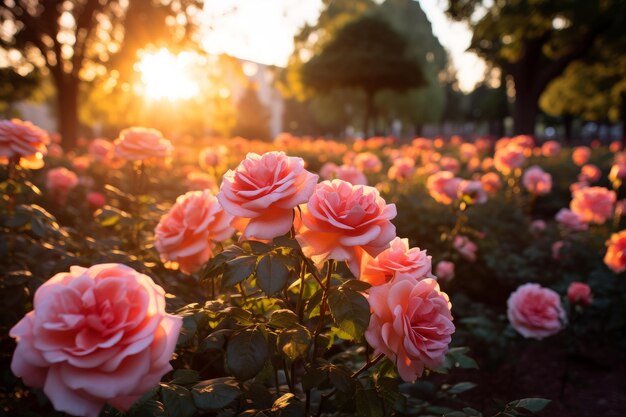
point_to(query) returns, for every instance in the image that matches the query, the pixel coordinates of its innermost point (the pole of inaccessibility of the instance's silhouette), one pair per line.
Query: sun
(167, 76)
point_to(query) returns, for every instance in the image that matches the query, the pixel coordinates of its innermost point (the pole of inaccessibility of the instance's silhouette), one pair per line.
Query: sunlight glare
(167, 76)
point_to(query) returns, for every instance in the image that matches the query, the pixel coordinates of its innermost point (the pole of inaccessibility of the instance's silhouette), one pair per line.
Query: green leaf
(150, 408)
(461, 387)
(185, 377)
(368, 404)
(271, 274)
(313, 378)
(38, 228)
(295, 341)
(389, 390)
(341, 378)
(215, 394)
(350, 311)
(216, 340)
(238, 270)
(246, 354)
(283, 318)
(188, 330)
(534, 405)
(455, 414)
(177, 400)
(357, 285)
(288, 406)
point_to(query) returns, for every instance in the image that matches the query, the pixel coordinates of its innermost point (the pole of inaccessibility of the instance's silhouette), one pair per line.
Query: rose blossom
(368, 162)
(411, 324)
(197, 180)
(21, 139)
(535, 312)
(185, 237)
(617, 173)
(537, 226)
(328, 171)
(593, 204)
(340, 220)
(449, 163)
(141, 143)
(615, 257)
(96, 200)
(351, 174)
(61, 181)
(211, 157)
(556, 248)
(491, 182)
(508, 159)
(571, 220)
(444, 271)
(589, 173)
(101, 149)
(402, 169)
(581, 155)
(95, 335)
(396, 261)
(265, 189)
(579, 293)
(443, 187)
(472, 192)
(551, 148)
(466, 248)
(537, 181)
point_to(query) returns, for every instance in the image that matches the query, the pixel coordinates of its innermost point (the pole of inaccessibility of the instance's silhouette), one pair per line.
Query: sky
(263, 30)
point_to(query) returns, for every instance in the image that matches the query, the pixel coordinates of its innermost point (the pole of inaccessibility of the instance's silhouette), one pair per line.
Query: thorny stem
(300, 304)
(330, 267)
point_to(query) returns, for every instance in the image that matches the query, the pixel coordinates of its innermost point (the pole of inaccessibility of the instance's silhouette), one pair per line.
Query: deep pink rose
(537, 181)
(535, 312)
(579, 293)
(342, 219)
(60, 181)
(141, 143)
(443, 187)
(444, 271)
(556, 248)
(411, 324)
(571, 220)
(589, 173)
(581, 155)
(95, 336)
(615, 257)
(397, 261)
(593, 204)
(466, 248)
(509, 158)
(21, 139)
(472, 192)
(265, 189)
(186, 236)
(551, 148)
(96, 200)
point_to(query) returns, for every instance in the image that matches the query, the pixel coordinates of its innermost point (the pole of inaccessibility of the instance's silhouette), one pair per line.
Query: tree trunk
(568, 121)
(497, 128)
(67, 111)
(525, 111)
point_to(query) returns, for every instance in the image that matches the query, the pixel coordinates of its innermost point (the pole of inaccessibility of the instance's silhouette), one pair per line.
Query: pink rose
(96, 200)
(466, 248)
(411, 324)
(537, 226)
(396, 261)
(535, 312)
(589, 173)
(212, 156)
(351, 174)
(443, 187)
(368, 162)
(593, 204)
(95, 336)
(449, 163)
(468, 151)
(328, 171)
(556, 249)
(581, 155)
(491, 182)
(615, 257)
(551, 148)
(81, 163)
(571, 220)
(444, 271)
(342, 219)
(579, 293)
(197, 180)
(537, 181)
(21, 139)
(402, 169)
(508, 159)
(185, 237)
(140, 143)
(101, 150)
(265, 189)
(617, 173)
(472, 192)
(615, 146)
(60, 181)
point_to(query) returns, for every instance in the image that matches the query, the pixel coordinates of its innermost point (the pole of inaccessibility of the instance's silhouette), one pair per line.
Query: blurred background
(340, 68)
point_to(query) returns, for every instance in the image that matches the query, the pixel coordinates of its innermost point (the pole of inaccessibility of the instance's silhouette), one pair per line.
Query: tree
(252, 116)
(534, 41)
(366, 54)
(74, 40)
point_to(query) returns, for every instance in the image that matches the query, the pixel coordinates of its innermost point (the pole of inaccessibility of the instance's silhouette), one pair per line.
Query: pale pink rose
(351, 174)
(551, 148)
(472, 192)
(589, 173)
(444, 271)
(615, 257)
(402, 169)
(213, 156)
(200, 181)
(186, 236)
(396, 261)
(466, 248)
(579, 293)
(95, 336)
(265, 189)
(21, 139)
(581, 155)
(140, 143)
(618, 172)
(340, 220)
(508, 159)
(557, 247)
(101, 150)
(491, 182)
(60, 181)
(537, 181)
(537, 226)
(535, 312)
(411, 324)
(571, 220)
(368, 162)
(96, 200)
(593, 204)
(443, 187)
(328, 171)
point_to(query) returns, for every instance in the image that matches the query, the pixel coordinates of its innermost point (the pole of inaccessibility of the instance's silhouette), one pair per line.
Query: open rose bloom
(22, 140)
(265, 189)
(411, 324)
(443, 186)
(535, 312)
(141, 144)
(615, 257)
(95, 336)
(593, 204)
(537, 181)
